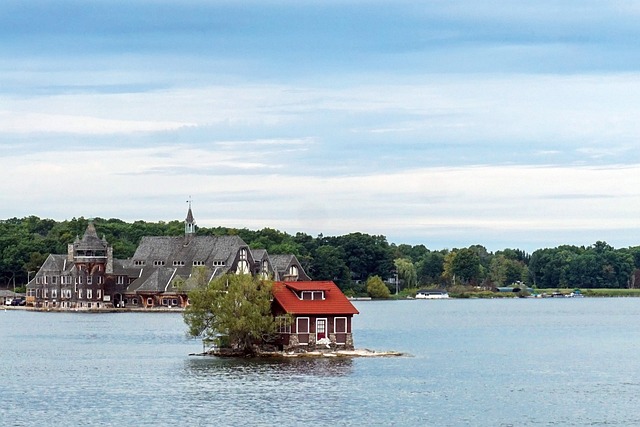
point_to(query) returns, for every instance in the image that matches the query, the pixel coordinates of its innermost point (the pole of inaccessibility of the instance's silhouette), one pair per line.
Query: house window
(46, 280)
(284, 324)
(38, 280)
(178, 263)
(302, 329)
(149, 301)
(100, 280)
(158, 263)
(340, 329)
(99, 292)
(312, 295)
(89, 293)
(45, 293)
(54, 293)
(293, 272)
(54, 280)
(218, 263)
(120, 280)
(138, 262)
(198, 263)
(89, 280)
(80, 294)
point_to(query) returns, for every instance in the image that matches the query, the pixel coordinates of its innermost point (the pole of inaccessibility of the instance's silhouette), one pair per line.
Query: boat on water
(432, 294)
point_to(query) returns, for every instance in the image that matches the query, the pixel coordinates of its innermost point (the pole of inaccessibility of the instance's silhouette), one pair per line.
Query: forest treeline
(349, 260)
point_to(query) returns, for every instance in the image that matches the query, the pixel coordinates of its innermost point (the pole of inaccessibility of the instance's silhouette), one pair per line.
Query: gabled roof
(334, 302)
(281, 264)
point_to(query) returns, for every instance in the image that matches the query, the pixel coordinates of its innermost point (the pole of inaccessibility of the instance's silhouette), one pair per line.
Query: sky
(507, 124)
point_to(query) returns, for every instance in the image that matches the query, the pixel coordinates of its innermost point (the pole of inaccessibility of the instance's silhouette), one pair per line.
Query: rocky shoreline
(302, 354)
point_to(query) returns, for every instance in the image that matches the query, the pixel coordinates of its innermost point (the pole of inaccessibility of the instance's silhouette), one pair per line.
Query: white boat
(431, 294)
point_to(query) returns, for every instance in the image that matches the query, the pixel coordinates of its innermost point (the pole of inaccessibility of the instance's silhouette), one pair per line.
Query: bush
(376, 288)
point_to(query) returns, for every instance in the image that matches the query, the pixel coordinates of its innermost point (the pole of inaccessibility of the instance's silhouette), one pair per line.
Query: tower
(189, 224)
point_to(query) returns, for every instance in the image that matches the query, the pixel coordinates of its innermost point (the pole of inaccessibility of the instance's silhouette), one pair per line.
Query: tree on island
(234, 311)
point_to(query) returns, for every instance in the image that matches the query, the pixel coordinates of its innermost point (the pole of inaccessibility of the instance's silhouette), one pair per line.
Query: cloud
(33, 123)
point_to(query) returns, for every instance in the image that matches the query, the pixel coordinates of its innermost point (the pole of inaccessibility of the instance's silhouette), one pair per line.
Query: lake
(514, 362)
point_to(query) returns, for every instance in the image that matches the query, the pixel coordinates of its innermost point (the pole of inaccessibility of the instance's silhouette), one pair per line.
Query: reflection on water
(233, 368)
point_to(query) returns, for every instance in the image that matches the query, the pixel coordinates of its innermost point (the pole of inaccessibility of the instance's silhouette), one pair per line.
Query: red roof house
(313, 315)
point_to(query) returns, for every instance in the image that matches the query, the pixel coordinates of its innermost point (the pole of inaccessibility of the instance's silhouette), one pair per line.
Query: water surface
(473, 362)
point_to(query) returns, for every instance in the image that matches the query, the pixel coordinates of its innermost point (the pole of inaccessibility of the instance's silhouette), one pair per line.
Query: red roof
(287, 294)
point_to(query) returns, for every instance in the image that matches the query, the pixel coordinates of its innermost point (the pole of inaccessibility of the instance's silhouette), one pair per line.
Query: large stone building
(161, 272)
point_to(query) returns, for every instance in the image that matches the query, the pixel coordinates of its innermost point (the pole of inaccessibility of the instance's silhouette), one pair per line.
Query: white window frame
(346, 328)
(326, 327)
(298, 319)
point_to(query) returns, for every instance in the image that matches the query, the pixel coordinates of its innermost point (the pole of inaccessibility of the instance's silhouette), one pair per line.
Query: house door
(321, 329)
(302, 329)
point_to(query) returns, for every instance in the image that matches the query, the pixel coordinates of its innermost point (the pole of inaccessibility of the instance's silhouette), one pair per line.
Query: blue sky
(502, 123)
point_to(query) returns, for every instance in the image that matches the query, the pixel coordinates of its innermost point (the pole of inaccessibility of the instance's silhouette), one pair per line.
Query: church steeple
(189, 222)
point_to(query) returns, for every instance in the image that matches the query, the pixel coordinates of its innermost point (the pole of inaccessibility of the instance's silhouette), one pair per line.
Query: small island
(244, 315)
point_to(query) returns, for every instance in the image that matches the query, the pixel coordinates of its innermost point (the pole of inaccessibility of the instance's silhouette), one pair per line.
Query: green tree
(406, 272)
(430, 268)
(376, 288)
(236, 307)
(465, 265)
(328, 264)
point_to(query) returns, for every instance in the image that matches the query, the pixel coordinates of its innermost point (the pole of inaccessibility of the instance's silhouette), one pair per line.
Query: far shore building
(159, 274)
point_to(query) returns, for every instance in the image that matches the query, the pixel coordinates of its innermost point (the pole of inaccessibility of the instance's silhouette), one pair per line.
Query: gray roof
(198, 248)
(90, 240)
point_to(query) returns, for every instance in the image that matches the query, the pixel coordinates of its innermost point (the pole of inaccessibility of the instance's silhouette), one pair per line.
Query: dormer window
(178, 263)
(218, 263)
(138, 262)
(198, 263)
(312, 295)
(158, 263)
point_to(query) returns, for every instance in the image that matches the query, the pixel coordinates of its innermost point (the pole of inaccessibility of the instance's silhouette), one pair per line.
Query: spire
(189, 222)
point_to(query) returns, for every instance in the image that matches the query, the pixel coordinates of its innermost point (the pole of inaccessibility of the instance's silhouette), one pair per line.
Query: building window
(178, 263)
(46, 280)
(89, 293)
(80, 294)
(138, 262)
(89, 280)
(54, 280)
(54, 293)
(100, 280)
(218, 263)
(198, 263)
(120, 280)
(158, 263)
(284, 324)
(312, 295)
